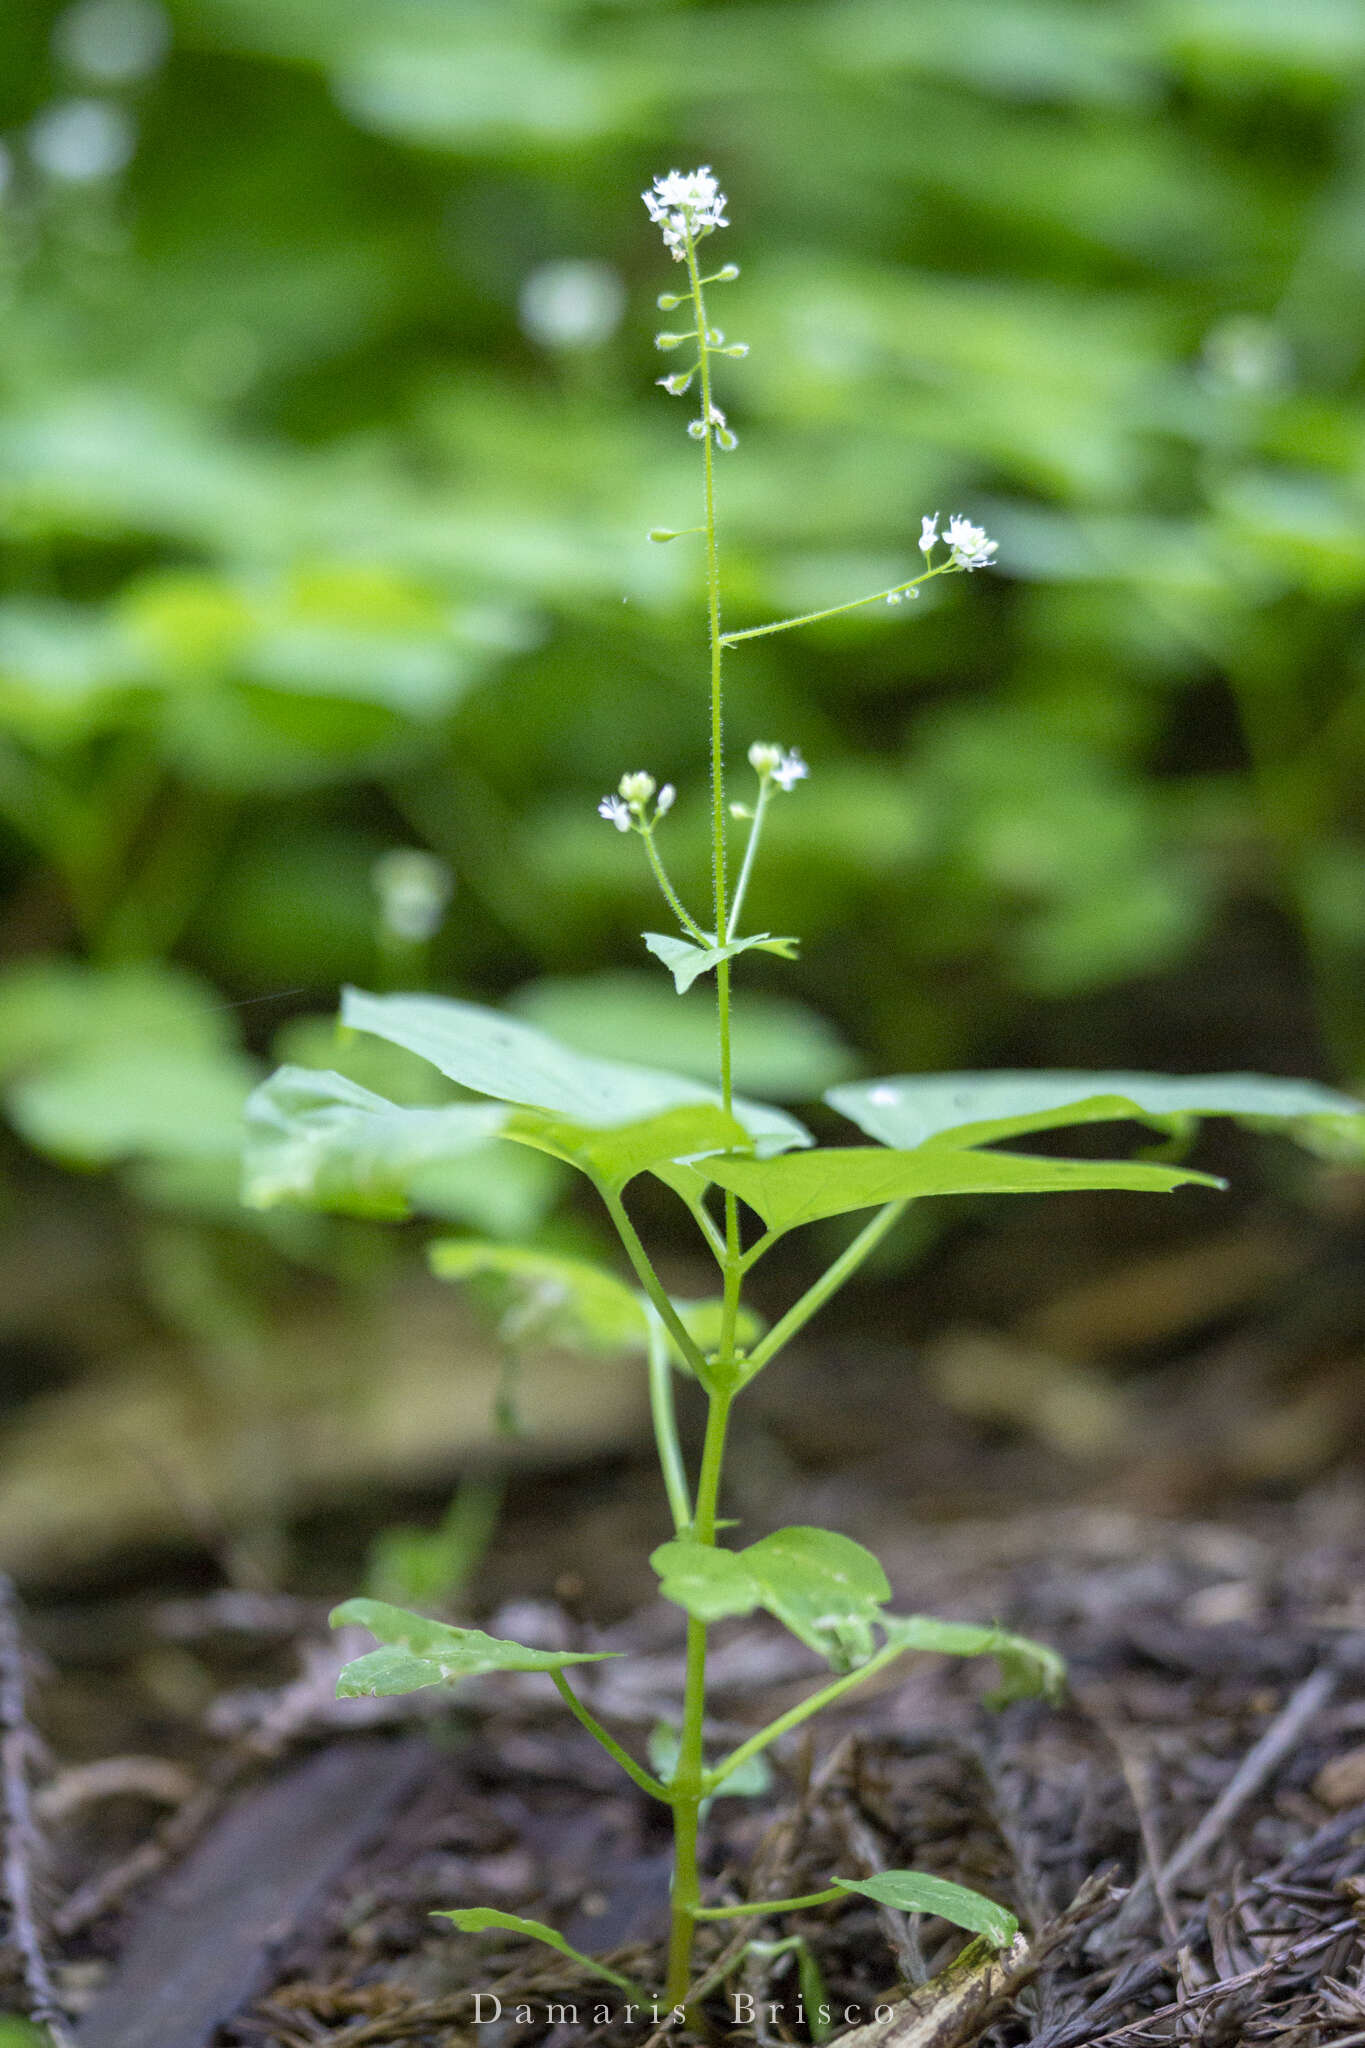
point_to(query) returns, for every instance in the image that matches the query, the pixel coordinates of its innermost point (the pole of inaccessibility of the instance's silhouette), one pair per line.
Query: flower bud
(637, 789)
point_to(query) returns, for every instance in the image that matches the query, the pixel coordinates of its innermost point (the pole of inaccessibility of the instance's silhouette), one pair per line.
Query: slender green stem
(666, 1427)
(815, 1297)
(762, 1907)
(671, 896)
(765, 790)
(688, 1786)
(833, 611)
(653, 1286)
(730, 1308)
(814, 1703)
(613, 1748)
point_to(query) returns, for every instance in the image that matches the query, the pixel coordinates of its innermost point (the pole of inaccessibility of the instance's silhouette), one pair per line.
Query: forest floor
(1151, 1464)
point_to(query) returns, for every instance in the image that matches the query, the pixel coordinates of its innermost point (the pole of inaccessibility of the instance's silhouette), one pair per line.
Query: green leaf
(1027, 1669)
(686, 961)
(778, 1048)
(613, 1157)
(913, 1891)
(707, 1583)
(482, 1919)
(135, 1101)
(418, 1652)
(824, 1587)
(545, 1298)
(910, 1110)
(806, 1187)
(320, 1140)
(496, 1055)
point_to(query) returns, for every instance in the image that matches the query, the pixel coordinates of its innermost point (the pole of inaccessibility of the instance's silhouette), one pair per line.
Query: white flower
(683, 203)
(928, 533)
(667, 798)
(615, 812)
(969, 545)
(786, 768)
(637, 789)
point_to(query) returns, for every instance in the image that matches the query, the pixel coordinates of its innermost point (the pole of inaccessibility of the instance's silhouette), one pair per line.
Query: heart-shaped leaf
(908, 1110)
(914, 1891)
(805, 1187)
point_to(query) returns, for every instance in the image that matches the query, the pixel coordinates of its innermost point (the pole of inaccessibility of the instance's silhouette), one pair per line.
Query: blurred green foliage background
(329, 441)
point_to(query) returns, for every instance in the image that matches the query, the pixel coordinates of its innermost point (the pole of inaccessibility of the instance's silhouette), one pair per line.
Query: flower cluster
(781, 765)
(968, 547)
(628, 808)
(686, 203)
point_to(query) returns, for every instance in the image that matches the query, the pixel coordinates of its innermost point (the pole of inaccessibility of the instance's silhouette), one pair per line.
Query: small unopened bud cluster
(628, 810)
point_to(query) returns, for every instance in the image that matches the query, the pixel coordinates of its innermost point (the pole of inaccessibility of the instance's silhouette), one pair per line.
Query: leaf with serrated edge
(686, 961)
(908, 1110)
(493, 1054)
(914, 1891)
(482, 1919)
(805, 1187)
(447, 1653)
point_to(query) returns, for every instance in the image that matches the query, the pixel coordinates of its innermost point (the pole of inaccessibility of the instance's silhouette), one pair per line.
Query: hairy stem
(833, 611)
(670, 894)
(688, 1787)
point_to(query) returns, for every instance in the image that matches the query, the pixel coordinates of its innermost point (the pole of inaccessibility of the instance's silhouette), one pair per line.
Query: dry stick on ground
(21, 1839)
(1303, 1704)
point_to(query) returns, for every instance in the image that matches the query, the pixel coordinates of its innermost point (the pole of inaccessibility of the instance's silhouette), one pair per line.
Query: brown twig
(22, 1844)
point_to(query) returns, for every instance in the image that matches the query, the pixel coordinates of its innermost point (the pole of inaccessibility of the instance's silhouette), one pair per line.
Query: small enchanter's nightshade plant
(746, 1173)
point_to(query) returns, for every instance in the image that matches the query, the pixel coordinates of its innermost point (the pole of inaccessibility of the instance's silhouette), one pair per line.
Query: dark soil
(1183, 1839)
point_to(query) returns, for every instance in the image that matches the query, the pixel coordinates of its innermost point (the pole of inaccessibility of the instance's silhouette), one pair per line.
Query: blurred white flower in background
(572, 305)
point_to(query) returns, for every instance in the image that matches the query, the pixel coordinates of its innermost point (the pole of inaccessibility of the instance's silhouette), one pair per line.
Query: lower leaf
(480, 1919)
